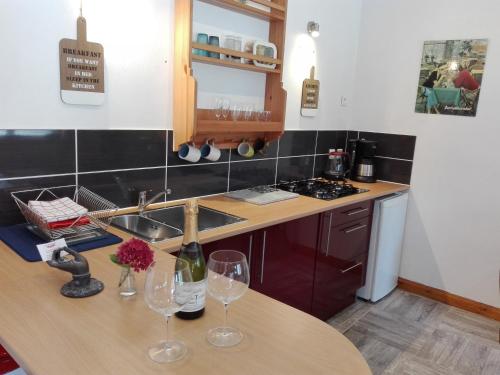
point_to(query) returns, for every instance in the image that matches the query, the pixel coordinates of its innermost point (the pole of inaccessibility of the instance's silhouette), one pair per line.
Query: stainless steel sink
(207, 218)
(147, 229)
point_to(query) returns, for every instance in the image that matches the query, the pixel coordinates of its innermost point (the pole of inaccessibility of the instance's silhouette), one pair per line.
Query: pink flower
(136, 254)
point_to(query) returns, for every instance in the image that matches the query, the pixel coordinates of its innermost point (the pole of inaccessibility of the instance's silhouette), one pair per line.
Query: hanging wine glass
(226, 105)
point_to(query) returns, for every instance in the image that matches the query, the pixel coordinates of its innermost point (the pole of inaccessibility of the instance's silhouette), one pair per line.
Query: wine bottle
(192, 253)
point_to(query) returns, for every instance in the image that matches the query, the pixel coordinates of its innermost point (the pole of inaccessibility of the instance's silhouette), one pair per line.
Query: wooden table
(49, 334)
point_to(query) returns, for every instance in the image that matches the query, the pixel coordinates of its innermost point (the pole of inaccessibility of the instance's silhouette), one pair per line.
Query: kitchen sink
(164, 223)
(207, 218)
(145, 228)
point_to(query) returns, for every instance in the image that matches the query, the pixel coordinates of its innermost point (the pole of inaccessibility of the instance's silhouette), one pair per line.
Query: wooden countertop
(258, 217)
(49, 334)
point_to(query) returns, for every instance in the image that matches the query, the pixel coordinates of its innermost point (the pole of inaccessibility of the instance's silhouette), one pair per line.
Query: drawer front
(350, 240)
(352, 212)
(336, 283)
(353, 273)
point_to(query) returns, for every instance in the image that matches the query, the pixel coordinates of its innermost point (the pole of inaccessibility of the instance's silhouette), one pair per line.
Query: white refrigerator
(384, 257)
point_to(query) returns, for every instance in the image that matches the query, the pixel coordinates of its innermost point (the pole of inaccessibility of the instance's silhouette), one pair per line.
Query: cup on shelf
(213, 40)
(234, 43)
(210, 152)
(201, 38)
(245, 149)
(189, 153)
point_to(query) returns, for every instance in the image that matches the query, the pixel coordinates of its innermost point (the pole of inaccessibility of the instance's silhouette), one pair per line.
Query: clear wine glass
(248, 112)
(166, 291)
(228, 278)
(218, 108)
(226, 105)
(236, 112)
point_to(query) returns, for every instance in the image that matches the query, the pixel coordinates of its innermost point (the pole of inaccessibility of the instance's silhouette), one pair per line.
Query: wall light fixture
(313, 29)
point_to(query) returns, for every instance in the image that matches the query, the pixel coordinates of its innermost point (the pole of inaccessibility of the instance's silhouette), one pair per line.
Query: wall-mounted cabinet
(197, 125)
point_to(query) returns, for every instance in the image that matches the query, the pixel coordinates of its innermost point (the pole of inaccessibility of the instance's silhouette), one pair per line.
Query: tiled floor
(405, 334)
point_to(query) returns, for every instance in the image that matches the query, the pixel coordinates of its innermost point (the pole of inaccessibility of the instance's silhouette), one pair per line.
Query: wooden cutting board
(310, 96)
(82, 68)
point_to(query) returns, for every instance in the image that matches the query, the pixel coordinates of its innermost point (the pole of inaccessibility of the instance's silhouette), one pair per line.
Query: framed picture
(451, 75)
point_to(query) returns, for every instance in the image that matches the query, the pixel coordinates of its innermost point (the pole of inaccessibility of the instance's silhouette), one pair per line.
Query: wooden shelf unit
(193, 125)
(277, 8)
(234, 65)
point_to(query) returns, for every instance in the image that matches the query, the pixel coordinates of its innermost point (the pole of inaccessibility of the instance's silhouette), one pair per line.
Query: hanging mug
(246, 150)
(210, 152)
(260, 146)
(189, 153)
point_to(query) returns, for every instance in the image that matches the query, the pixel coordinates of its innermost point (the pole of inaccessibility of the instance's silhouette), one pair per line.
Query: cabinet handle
(347, 231)
(328, 238)
(351, 268)
(250, 244)
(355, 212)
(263, 258)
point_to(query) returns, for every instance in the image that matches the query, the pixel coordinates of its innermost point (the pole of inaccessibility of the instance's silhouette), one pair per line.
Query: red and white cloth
(58, 209)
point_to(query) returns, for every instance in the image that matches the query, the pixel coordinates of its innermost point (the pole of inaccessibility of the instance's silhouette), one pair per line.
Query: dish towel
(57, 210)
(69, 223)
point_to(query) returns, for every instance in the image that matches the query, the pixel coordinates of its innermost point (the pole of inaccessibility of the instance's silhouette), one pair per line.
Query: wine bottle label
(197, 291)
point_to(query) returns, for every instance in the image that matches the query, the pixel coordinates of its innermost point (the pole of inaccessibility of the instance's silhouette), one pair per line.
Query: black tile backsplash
(247, 174)
(9, 212)
(328, 139)
(123, 187)
(26, 153)
(297, 142)
(392, 145)
(131, 158)
(393, 170)
(320, 165)
(196, 180)
(299, 168)
(103, 150)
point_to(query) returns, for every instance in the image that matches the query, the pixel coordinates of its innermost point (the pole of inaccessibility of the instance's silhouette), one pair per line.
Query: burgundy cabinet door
(284, 262)
(243, 242)
(7, 364)
(340, 264)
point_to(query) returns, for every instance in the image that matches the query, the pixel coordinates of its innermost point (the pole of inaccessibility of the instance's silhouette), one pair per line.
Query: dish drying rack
(100, 213)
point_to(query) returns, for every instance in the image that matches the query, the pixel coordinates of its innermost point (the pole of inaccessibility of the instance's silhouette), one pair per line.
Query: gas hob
(321, 189)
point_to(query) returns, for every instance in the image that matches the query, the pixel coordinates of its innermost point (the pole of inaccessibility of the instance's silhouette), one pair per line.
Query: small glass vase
(127, 282)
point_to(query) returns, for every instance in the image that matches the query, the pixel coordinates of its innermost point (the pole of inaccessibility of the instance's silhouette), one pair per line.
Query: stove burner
(321, 189)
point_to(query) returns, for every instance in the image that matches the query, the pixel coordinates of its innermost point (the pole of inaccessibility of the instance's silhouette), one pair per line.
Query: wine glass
(236, 112)
(226, 105)
(228, 278)
(166, 291)
(218, 108)
(264, 116)
(248, 112)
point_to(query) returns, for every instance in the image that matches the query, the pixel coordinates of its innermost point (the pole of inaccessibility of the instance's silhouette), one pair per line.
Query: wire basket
(99, 215)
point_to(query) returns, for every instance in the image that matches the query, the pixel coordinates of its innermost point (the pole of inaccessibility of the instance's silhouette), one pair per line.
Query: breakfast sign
(82, 68)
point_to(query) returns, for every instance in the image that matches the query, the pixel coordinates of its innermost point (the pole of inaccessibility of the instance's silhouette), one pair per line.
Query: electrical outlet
(343, 101)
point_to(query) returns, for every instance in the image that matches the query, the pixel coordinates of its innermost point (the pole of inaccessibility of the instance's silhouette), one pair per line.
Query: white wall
(137, 39)
(452, 239)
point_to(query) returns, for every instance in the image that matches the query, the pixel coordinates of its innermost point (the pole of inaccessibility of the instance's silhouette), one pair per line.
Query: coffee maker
(337, 166)
(362, 153)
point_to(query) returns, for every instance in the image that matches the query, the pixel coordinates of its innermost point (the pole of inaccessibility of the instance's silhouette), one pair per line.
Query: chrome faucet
(143, 203)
